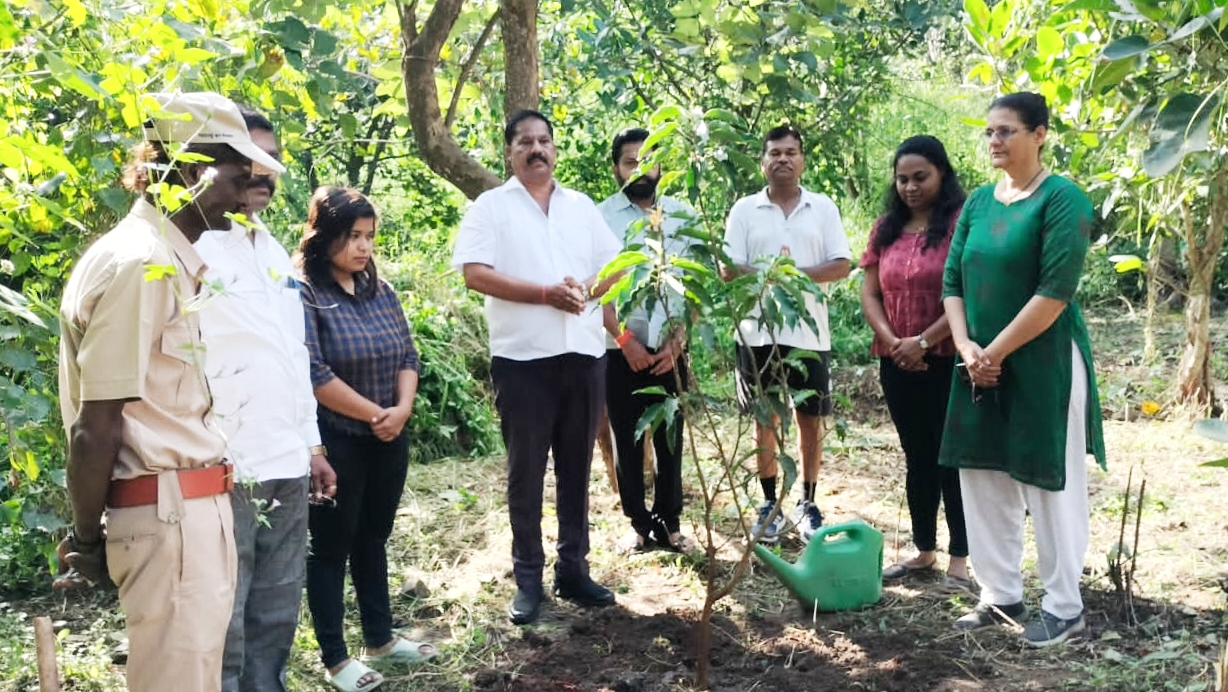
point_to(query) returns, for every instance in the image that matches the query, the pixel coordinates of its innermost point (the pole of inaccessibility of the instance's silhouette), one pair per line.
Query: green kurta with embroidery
(1001, 256)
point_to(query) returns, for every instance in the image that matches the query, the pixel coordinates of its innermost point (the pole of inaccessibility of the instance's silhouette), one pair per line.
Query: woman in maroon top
(901, 297)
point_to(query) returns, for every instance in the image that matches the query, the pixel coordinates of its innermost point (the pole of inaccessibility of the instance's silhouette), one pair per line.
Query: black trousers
(625, 408)
(548, 407)
(918, 405)
(370, 479)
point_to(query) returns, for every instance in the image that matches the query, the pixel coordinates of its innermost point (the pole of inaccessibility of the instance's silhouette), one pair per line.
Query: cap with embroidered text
(204, 117)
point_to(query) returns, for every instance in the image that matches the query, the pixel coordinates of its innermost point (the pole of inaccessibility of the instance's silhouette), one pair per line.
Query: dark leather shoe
(526, 606)
(583, 591)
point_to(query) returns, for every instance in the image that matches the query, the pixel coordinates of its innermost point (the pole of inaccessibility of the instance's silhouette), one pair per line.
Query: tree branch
(385, 129)
(420, 57)
(467, 67)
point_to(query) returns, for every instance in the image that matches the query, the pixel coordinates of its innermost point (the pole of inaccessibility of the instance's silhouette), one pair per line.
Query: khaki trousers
(176, 587)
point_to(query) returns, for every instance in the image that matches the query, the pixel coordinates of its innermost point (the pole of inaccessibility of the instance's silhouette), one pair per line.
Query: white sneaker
(771, 534)
(808, 519)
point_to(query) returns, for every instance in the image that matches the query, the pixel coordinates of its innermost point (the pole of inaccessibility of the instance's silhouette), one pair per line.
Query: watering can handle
(836, 529)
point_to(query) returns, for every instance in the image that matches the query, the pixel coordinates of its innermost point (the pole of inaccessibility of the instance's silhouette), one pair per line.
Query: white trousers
(994, 510)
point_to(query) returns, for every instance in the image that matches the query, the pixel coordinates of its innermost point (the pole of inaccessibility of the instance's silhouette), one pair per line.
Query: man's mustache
(538, 157)
(265, 181)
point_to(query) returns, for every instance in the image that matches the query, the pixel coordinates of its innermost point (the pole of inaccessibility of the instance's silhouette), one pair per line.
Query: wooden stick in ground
(44, 644)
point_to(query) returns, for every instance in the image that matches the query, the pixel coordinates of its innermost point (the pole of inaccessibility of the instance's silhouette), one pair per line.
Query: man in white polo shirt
(534, 248)
(787, 219)
(259, 374)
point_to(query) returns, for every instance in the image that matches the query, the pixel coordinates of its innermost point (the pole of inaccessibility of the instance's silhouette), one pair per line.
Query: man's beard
(641, 189)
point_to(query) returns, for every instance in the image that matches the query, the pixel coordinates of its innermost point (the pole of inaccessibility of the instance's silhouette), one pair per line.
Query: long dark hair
(331, 216)
(950, 199)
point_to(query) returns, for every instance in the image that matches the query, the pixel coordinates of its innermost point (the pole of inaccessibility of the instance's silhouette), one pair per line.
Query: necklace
(1010, 200)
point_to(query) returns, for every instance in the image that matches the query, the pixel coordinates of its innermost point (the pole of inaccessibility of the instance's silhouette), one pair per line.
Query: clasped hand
(568, 296)
(390, 422)
(982, 368)
(908, 355)
(82, 565)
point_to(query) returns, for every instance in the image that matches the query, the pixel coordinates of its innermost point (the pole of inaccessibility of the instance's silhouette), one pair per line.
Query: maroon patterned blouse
(911, 283)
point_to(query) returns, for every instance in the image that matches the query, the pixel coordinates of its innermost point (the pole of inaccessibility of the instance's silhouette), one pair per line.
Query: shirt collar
(192, 262)
(238, 231)
(514, 183)
(762, 199)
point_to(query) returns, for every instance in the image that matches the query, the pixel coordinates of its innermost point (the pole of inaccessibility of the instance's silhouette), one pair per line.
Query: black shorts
(806, 371)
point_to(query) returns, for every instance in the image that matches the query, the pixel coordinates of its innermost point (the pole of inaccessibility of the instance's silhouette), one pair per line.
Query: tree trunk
(703, 646)
(1204, 239)
(419, 61)
(520, 59)
(1155, 265)
(520, 56)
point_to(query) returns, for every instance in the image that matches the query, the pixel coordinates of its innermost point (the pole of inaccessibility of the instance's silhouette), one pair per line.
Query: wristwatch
(318, 451)
(925, 345)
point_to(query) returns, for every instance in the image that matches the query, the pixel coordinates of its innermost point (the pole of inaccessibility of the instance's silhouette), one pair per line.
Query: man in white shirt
(258, 372)
(787, 219)
(534, 249)
(644, 353)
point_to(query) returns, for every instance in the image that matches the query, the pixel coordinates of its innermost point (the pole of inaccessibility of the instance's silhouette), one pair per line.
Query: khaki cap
(210, 119)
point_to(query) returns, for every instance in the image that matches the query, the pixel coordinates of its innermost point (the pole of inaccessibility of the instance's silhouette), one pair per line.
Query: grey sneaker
(1047, 630)
(807, 518)
(772, 531)
(986, 614)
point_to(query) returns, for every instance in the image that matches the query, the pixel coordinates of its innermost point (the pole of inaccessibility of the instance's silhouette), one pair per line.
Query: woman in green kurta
(1023, 412)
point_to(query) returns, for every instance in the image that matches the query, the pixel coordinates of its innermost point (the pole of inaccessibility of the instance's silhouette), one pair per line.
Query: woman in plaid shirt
(364, 369)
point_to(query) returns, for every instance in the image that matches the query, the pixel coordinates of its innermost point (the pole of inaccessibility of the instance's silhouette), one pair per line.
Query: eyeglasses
(1002, 133)
(321, 500)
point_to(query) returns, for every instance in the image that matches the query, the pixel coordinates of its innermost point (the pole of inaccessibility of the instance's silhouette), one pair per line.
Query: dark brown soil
(614, 650)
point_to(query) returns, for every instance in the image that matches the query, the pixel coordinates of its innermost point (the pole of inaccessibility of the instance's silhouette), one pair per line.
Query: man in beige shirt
(142, 444)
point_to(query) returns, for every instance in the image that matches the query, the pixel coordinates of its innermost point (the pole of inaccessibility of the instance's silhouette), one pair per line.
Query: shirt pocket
(173, 380)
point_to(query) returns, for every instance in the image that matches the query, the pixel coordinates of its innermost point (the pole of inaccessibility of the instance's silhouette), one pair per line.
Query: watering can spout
(787, 572)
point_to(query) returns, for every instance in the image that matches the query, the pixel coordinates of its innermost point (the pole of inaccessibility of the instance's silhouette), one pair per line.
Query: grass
(452, 534)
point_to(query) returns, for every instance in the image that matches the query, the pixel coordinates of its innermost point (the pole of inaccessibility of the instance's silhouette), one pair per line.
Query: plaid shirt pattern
(363, 341)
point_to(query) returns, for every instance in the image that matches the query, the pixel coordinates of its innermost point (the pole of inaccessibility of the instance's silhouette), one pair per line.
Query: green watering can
(841, 568)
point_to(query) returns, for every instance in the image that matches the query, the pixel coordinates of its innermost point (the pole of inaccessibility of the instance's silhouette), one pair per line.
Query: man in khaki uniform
(142, 444)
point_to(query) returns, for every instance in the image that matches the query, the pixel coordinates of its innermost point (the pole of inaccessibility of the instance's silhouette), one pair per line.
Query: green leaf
(47, 522)
(8, 28)
(1109, 74)
(1126, 263)
(16, 304)
(73, 78)
(659, 134)
(623, 262)
(1212, 429)
(1219, 463)
(291, 33)
(1181, 127)
(665, 113)
(323, 43)
(1048, 42)
(723, 115)
(1091, 5)
(157, 272)
(1190, 28)
(18, 360)
(1127, 47)
(978, 14)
